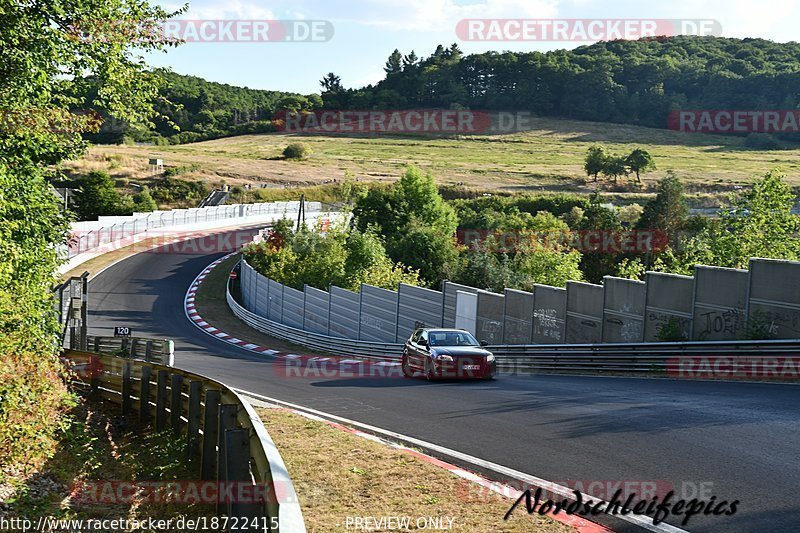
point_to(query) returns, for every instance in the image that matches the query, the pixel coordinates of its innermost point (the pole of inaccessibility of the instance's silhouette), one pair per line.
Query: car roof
(446, 330)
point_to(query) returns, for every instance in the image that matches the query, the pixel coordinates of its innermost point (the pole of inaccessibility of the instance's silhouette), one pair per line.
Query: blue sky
(366, 32)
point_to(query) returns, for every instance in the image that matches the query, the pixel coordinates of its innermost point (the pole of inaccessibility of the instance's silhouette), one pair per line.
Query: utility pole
(301, 213)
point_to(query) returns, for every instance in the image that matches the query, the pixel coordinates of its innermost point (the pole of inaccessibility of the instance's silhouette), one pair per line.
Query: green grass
(549, 157)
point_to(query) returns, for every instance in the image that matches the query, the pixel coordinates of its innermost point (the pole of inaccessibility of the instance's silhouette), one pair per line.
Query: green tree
(97, 196)
(596, 160)
(614, 167)
(668, 211)
(640, 161)
(143, 202)
(394, 65)
(331, 83)
(51, 52)
(759, 224)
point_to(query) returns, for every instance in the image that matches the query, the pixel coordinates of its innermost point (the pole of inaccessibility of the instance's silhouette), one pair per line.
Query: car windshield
(452, 338)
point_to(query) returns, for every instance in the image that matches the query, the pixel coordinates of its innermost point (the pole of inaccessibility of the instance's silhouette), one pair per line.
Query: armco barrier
(159, 351)
(217, 423)
(637, 358)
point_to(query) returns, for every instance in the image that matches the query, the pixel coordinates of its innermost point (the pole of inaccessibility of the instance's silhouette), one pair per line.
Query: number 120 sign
(122, 331)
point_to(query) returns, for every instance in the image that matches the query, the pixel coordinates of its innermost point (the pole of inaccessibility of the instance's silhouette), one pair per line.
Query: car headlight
(446, 358)
(490, 358)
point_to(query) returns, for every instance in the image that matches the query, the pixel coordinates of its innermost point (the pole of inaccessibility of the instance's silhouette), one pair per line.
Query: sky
(366, 32)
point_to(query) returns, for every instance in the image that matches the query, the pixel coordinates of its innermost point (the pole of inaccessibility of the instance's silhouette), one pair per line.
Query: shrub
(762, 141)
(297, 151)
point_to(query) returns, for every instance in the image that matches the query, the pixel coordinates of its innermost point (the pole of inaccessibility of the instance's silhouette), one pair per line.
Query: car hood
(461, 351)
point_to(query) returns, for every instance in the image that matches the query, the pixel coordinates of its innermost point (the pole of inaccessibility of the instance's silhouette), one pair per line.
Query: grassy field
(549, 157)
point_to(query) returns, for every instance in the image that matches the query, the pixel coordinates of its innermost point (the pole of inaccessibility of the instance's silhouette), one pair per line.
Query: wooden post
(237, 468)
(124, 347)
(227, 420)
(97, 344)
(193, 417)
(144, 396)
(126, 388)
(175, 404)
(148, 351)
(161, 400)
(208, 468)
(95, 369)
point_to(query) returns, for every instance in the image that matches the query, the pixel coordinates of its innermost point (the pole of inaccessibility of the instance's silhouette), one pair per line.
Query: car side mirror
(422, 342)
(484, 343)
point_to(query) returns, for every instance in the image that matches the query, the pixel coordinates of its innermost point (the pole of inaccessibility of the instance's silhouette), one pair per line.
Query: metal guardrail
(71, 301)
(159, 351)
(222, 431)
(645, 358)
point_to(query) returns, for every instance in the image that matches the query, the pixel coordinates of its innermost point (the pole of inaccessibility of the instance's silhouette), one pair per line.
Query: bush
(172, 191)
(97, 197)
(762, 141)
(297, 151)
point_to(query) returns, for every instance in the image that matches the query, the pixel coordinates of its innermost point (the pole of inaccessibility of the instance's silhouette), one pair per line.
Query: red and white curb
(193, 315)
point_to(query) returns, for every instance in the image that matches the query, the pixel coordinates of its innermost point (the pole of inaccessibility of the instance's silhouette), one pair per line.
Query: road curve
(739, 441)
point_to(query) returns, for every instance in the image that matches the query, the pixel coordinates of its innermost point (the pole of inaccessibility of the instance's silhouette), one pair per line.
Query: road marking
(641, 521)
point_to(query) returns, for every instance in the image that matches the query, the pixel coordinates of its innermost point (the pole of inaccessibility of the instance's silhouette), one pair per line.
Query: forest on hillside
(631, 82)
(628, 82)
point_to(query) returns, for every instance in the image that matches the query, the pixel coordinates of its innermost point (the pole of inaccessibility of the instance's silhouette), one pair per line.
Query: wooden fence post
(208, 468)
(193, 417)
(227, 420)
(237, 469)
(175, 404)
(126, 388)
(144, 395)
(161, 400)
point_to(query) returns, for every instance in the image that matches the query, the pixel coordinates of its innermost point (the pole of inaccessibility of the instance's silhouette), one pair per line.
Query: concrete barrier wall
(489, 324)
(774, 297)
(316, 309)
(623, 309)
(549, 314)
(378, 314)
(246, 283)
(345, 309)
(417, 308)
(669, 299)
(450, 290)
(293, 302)
(584, 313)
(715, 304)
(262, 296)
(467, 311)
(275, 301)
(720, 303)
(517, 317)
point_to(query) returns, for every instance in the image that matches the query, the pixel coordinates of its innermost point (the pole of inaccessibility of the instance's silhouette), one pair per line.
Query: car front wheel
(406, 368)
(429, 372)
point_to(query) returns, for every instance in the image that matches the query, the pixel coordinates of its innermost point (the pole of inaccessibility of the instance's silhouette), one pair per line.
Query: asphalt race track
(736, 441)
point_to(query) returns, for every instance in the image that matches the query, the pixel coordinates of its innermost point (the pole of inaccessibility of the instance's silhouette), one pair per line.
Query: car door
(423, 348)
(413, 350)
